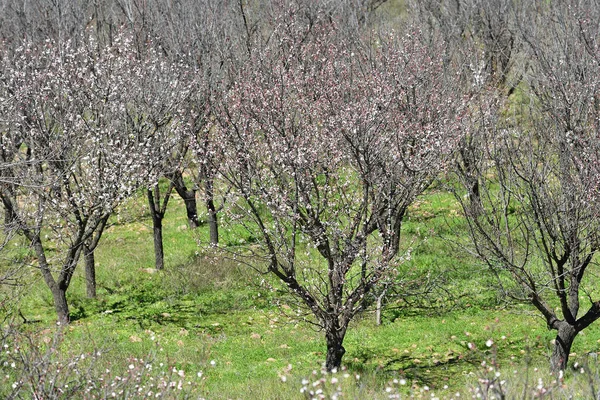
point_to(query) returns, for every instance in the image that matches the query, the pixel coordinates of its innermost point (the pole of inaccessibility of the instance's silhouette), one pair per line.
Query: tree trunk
(191, 209)
(212, 212)
(158, 213)
(60, 305)
(90, 272)
(562, 347)
(212, 222)
(9, 214)
(335, 350)
(158, 242)
(89, 247)
(189, 199)
(468, 170)
(58, 290)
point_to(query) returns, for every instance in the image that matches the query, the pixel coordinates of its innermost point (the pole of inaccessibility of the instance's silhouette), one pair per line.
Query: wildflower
(489, 343)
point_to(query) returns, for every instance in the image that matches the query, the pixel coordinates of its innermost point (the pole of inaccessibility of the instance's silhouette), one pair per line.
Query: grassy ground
(225, 332)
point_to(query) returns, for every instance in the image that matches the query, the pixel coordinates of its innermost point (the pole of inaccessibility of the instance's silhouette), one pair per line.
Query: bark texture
(60, 305)
(157, 212)
(212, 213)
(189, 198)
(90, 272)
(335, 351)
(562, 347)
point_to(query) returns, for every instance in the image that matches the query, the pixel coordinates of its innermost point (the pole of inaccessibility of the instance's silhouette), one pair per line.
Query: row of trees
(77, 144)
(319, 124)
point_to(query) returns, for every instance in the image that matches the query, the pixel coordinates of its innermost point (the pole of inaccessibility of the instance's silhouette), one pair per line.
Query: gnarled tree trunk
(562, 346)
(58, 287)
(188, 196)
(60, 304)
(335, 350)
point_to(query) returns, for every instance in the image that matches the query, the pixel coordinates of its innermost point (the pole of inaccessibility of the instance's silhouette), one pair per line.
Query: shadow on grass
(428, 373)
(422, 372)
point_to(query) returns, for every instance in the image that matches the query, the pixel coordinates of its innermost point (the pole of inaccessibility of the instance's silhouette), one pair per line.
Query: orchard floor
(220, 331)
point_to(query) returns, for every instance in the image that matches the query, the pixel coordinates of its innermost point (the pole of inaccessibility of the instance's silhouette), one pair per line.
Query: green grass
(206, 314)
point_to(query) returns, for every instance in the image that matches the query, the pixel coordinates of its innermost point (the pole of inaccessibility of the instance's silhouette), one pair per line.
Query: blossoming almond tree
(151, 110)
(77, 159)
(157, 110)
(327, 142)
(565, 82)
(536, 225)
